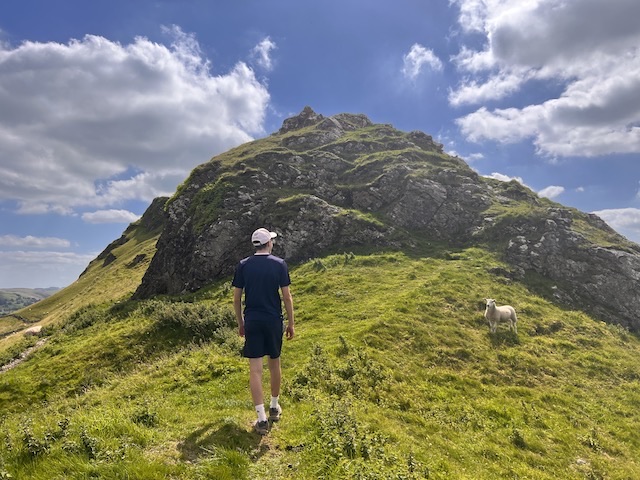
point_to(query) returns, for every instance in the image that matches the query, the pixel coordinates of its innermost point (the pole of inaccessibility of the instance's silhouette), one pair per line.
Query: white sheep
(494, 315)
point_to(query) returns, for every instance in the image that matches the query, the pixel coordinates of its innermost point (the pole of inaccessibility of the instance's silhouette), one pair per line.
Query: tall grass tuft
(199, 321)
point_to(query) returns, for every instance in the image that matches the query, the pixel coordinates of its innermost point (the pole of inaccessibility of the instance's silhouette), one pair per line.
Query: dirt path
(23, 356)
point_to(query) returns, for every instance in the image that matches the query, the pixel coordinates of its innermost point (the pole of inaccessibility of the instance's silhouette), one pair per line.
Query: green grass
(392, 374)
(208, 202)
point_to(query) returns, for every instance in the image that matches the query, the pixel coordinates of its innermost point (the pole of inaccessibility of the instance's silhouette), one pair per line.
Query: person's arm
(237, 306)
(288, 305)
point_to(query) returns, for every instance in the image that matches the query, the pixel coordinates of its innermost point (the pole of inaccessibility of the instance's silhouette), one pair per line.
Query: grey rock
(306, 118)
(603, 280)
(328, 184)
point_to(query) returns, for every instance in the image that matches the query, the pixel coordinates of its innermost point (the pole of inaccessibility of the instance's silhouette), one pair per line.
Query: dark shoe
(274, 413)
(261, 428)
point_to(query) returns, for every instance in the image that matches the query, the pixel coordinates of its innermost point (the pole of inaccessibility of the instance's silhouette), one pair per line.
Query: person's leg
(275, 376)
(255, 380)
(255, 384)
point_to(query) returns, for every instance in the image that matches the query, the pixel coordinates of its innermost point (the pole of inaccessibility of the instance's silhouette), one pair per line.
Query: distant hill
(13, 299)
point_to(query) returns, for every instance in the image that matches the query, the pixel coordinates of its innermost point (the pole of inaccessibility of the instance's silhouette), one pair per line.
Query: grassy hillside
(102, 282)
(393, 374)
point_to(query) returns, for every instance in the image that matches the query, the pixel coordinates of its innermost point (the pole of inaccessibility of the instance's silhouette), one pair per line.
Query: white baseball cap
(262, 236)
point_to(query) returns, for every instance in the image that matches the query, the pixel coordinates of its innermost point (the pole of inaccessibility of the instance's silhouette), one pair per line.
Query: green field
(392, 374)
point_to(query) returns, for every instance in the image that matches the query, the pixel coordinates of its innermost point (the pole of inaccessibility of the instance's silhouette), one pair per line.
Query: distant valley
(13, 299)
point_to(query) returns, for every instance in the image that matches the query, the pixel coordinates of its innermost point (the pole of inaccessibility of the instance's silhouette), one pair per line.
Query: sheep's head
(490, 302)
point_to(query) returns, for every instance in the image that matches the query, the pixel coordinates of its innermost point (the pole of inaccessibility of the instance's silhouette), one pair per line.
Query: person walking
(262, 277)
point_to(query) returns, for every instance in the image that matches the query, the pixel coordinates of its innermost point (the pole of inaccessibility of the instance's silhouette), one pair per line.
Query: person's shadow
(227, 435)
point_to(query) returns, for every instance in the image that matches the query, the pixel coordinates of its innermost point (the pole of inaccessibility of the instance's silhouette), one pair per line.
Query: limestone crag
(330, 184)
(324, 184)
(601, 279)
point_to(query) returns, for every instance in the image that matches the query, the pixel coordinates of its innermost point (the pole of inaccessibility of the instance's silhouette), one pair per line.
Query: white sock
(274, 402)
(262, 417)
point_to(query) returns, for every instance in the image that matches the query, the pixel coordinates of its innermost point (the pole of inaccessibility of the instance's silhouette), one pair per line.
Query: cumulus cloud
(417, 59)
(505, 178)
(624, 220)
(588, 48)
(34, 269)
(110, 122)
(40, 258)
(473, 157)
(13, 241)
(110, 216)
(498, 86)
(262, 53)
(552, 191)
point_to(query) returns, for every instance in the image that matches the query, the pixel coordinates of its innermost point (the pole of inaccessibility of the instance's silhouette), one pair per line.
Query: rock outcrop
(324, 184)
(603, 280)
(328, 184)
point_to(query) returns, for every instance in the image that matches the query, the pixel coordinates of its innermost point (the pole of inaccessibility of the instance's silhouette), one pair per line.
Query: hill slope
(393, 375)
(393, 372)
(112, 276)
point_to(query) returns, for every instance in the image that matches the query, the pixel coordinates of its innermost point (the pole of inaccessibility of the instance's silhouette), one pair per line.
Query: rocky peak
(305, 118)
(350, 121)
(425, 141)
(343, 121)
(350, 182)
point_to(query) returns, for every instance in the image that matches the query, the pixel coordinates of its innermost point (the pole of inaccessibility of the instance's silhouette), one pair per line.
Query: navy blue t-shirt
(261, 277)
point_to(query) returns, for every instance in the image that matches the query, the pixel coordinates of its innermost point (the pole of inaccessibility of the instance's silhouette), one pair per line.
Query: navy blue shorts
(263, 337)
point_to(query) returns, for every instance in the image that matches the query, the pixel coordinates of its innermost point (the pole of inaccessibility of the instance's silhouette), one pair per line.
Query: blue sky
(105, 105)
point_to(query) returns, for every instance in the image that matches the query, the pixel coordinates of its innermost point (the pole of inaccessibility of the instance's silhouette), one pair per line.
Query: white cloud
(262, 53)
(588, 48)
(145, 186)
(505, 178)
(50, 258)
(552, 191)
(33, 242)
(496, 87)
(110, 122)
(473, 61)
(580, 189)
(110, 216)
(472, 14)
(624, 220)
(418, 58)
(474, 157)
(41, 269)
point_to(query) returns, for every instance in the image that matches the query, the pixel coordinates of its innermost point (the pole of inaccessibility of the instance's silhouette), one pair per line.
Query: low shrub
(355, 373)
(199, 321)
(83, 318)
(342, 446)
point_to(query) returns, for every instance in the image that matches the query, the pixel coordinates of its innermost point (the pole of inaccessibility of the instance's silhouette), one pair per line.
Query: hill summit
(331, 184)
